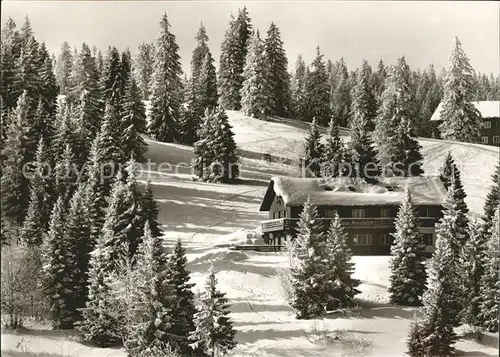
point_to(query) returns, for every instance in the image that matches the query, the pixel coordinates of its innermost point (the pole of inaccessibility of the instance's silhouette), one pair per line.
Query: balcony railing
(284, 224)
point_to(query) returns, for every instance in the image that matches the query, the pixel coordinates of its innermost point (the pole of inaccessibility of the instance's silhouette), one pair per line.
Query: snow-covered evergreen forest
(82, 240)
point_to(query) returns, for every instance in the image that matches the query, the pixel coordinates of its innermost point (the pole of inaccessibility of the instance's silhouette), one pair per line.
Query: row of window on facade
(496, 139)
(358, 213)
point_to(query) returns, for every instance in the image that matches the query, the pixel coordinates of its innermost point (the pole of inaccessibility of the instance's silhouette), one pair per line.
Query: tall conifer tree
(277, 65)
(316, 92)
(313, 152)
(156, 296)
(58, 274)
(63, 68)
(133, 121)
(461, 120)
(333, 154)
(298, 89)
(341, 287)
(99, 324)
(37, 218)
(492, 199)
(234, 50)
(14, 184)
(256, 96)
(471, 260)
(166, 96)
(183, 309)
(149, 210)
(434, 335)
(308, 278)
(407, 267)
(490, 282)
(214, 332)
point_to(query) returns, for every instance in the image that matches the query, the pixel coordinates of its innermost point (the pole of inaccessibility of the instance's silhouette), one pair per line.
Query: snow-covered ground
(265, 323)
(205, 216)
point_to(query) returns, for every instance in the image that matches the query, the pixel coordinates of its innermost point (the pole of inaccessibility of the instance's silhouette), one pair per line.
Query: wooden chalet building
(367, 210)
(490, 115)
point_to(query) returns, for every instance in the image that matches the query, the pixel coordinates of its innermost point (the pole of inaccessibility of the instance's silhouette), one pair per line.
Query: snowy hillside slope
(283, 139)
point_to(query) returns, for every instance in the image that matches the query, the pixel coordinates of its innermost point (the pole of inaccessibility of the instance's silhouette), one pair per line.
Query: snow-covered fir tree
(109, 148)
(308, 276)
(361, 122)
(277, 66)
(143, 68)
(460, 118)
(63, 68)
(363, 106)
(256, 91)
(333, 153)
(43, 123)
(78, 235)
(155, 294)
(37, 216)
(428, 96)
(49, 90)
(313, 152)
(134, 229)
(133, 122)
(121, 227)
(490, 281)
(58, 271)
(297, 88)
(396, 107)
(341, 287)
(434, 335)
(449, 229)
(203, 156)
(65, 175)
(99, 323)
(471, 261)
(406, 157)
(182, 308)
(454, 202)
(216, 157)
(234, 50)
(379, 76)
(125, 71)
(166, 92)
(87, 92)
(111, 78)
(492, 199)
(14, 184)
(316, 92)
(214, 333)
(26, 78)
(149, 210)
(10, 52)
(449, 173)
(85, 78)
(201, 89)
(198, 65)
(65, 131)
(207, 84)
(340, 93)
(97, 188)
(408, 275)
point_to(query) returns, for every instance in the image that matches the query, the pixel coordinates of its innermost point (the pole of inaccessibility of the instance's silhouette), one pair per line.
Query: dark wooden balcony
(288, 224)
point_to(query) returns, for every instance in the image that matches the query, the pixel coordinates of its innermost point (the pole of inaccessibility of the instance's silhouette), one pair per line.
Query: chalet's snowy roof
(487, 109)
(347, 192)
